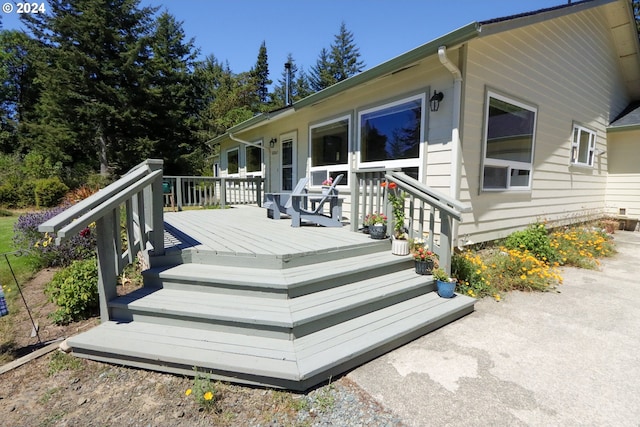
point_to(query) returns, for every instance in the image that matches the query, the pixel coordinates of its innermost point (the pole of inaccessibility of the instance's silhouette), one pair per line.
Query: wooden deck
(244, 236)
(249, 299)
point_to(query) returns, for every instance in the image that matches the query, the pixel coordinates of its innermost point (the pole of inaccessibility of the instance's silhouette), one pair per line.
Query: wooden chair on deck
(299, 211)
(280, 203)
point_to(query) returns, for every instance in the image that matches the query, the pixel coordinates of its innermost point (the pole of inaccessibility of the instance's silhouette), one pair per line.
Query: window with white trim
(390, 135)
(253, 159)
(583, 146)
(232, 162)
(330, 150)
(508, 144)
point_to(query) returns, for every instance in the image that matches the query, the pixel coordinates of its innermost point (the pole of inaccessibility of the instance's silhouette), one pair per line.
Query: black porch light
(434, 101)
(273, 142)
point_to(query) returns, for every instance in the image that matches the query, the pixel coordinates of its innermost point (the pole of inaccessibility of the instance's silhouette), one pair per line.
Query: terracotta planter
(424, 267)
(400, 247)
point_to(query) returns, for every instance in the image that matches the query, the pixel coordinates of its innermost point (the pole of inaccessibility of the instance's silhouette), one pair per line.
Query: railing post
(258, 183)
(157, 210)
(179, 193)
(223, 193)
(107, 273)
(445, 241)
(355, 201)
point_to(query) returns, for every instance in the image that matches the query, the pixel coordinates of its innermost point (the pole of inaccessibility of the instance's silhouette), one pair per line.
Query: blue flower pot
(446, 289)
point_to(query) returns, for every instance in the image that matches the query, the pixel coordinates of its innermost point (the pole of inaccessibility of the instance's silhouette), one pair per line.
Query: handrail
(140, 193)
(427, 194)
(369, 198)
(449, 210)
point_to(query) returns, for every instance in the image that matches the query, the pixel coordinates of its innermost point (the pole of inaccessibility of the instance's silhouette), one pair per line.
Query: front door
(287, 161)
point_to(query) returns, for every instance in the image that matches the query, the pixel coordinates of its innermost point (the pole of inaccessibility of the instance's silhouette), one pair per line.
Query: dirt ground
(61, 390)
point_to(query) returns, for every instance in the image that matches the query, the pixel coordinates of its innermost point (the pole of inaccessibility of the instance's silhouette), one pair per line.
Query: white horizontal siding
(568, 69)
(623, 182)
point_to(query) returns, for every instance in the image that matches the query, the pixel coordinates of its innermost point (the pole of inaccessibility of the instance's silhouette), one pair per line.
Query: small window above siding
(583, 146)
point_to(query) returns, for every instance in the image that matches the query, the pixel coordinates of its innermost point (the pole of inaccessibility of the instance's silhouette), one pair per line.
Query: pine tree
(344, 57)
(322, 75)
(92, 82)
(298, 85)
(170, 104)
(260, 73)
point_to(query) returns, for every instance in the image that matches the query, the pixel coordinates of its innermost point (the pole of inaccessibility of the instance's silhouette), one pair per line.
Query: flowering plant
(441, 275)
(375, 219)
(423, 254)
(396, 199)
(328, 181)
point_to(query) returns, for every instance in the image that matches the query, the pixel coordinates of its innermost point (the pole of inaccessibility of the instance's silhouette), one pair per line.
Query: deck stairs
(289, 322)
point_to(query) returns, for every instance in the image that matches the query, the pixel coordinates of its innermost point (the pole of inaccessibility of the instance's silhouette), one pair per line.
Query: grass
(23, 268)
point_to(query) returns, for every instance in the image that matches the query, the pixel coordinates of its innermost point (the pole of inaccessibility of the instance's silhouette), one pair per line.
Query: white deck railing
(139, 193)
(185, 191)
(427, 208)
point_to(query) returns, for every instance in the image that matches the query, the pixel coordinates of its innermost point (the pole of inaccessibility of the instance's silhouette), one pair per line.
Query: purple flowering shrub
(43, 246)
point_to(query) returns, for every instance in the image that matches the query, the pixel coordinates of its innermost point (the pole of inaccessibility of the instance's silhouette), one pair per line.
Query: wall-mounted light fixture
(434, 101)
(273, 142)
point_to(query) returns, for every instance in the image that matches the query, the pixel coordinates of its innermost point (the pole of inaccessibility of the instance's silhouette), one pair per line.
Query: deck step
(297, 363)
(269, 316)
(277, 283)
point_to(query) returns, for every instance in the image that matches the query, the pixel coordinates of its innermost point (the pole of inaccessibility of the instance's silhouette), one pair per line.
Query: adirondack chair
(299, 211)
(278, 203)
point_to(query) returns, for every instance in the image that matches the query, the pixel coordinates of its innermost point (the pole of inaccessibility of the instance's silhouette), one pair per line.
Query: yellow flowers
(208, 396)
(188, 392)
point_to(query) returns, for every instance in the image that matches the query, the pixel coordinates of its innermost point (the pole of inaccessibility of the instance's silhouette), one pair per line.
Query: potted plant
(445, 283)
(377, 225)
(399, 243)
(326, 185)
(424, 260)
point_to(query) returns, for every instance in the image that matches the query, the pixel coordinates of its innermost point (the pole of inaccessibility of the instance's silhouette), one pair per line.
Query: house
(520, 117)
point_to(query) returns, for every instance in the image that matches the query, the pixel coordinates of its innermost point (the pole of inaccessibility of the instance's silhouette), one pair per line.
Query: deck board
(247, 230)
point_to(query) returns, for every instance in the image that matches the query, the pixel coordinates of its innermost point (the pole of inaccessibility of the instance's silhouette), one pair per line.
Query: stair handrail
(140, 191)
(450, 209)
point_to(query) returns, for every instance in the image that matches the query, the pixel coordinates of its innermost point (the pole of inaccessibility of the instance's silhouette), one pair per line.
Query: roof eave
(500, 25)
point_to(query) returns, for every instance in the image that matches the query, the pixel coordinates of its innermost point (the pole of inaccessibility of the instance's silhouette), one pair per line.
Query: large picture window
(508, 143)
(329, 150)
(583, 146)
(392, 131)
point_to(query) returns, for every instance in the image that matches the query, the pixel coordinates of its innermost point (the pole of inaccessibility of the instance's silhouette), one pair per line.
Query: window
(509, 143)
(329, 150)
(232, 161)
(583, 146)
(253, 159)
(392, 132)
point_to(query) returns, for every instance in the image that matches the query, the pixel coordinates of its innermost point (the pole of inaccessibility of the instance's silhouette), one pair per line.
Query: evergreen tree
(170, 102)
(261, 75)
(93, 86)
(345, 55)
(299, 86)
(321, 75)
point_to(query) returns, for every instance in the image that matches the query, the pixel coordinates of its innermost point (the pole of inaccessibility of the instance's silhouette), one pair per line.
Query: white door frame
(285, 139)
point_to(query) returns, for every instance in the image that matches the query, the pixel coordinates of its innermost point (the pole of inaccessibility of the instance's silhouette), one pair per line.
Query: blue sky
(233, 30)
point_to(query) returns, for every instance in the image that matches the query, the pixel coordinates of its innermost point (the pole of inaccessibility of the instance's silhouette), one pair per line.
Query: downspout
(456, 147)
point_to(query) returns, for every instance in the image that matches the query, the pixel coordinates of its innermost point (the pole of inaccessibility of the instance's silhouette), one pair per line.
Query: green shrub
(49, 192)
(535, 239)
(75, 291)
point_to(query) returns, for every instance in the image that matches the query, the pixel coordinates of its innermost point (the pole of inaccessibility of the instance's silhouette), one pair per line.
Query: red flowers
(391, 185)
